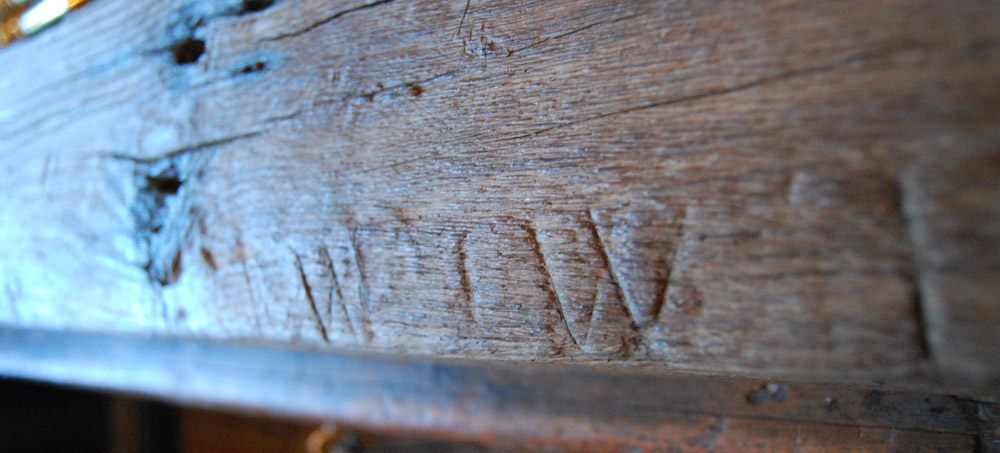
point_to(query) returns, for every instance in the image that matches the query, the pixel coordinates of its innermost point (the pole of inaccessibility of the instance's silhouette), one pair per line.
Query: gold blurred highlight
(24, 17)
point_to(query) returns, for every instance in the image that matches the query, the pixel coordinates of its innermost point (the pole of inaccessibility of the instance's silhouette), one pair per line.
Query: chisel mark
(320, 326)
(548, 285)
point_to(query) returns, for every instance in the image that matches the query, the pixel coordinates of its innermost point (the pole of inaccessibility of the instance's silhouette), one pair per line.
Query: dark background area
(40, 417)
(37, 417)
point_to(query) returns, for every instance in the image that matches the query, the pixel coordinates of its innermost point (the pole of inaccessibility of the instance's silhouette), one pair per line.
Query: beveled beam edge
(477, 399)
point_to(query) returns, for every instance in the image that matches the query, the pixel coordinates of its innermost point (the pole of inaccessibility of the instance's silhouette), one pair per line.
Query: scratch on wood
(309, 296)
(603, 252)
(324, 255)
(359, 261)
(549, 285)
(285, 117)
(462, 22)
(463, 277)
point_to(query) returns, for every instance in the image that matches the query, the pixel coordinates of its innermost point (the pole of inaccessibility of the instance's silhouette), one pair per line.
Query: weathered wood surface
(797, 189)
(519, 404)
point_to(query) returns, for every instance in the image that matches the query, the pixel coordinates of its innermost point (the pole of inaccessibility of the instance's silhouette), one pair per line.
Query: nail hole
(250, 6)
(416, 90)
(256, 67)
(188, 51)
(164, 184)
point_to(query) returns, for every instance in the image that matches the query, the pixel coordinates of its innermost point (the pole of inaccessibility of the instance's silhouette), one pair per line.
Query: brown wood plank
(800, 190)
(209, 432)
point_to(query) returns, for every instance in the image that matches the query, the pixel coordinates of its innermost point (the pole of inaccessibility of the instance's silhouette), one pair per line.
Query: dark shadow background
(44, 418)
(37, 417)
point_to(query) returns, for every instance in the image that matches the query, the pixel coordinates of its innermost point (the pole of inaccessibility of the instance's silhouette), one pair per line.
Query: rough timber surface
(803, 189)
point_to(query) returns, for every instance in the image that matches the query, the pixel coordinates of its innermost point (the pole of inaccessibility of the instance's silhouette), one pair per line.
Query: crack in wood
(570, 32)
(548, 284)
(327, 20)
(463, 278)
(285, 117)
(320, 325)
(162, 218)
(461, 23)
(194, 148)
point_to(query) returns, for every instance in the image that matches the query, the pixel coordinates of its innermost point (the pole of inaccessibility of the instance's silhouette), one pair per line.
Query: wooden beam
(801, 190)
(496, 400)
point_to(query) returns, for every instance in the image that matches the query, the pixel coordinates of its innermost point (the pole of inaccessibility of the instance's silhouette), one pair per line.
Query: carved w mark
(548, 284)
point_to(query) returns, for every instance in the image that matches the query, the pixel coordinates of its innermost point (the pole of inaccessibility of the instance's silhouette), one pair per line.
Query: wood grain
(803, 190)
